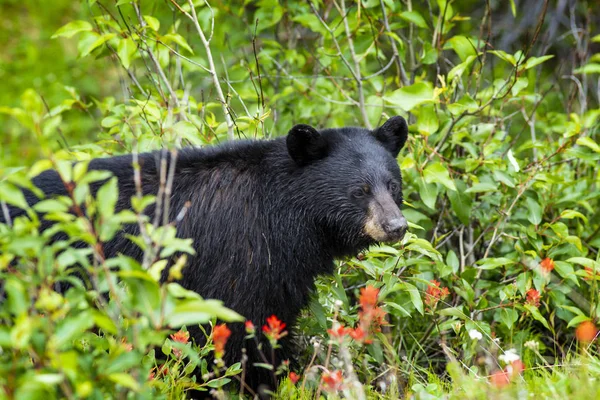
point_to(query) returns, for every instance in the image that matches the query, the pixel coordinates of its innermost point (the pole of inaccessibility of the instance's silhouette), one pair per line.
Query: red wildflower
(368, 297)
(249, 327)
(358, 334)
(220, 335)
(500, 379)
(181, 337)
(275, 328)
(586, 332)
(435, 293)
(294, 377)
(533, 297)
(332, 381)
(370, 317)
(547, 265)
(339, 333)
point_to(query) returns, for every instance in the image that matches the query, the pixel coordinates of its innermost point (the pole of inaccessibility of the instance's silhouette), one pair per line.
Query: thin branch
(211, 63)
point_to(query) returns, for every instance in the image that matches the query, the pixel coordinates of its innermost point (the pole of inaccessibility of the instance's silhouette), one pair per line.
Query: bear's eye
(362, 191)
(393, 187)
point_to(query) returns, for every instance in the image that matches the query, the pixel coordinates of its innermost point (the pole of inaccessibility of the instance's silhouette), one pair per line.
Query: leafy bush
(501, 187)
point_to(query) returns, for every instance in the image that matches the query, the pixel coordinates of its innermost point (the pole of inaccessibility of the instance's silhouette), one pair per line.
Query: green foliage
(500, 180)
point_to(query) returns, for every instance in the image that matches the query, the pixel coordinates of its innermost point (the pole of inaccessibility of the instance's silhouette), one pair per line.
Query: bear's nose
(396, 227)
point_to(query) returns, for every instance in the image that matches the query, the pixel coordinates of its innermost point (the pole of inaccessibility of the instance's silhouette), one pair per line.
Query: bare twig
(211, 63)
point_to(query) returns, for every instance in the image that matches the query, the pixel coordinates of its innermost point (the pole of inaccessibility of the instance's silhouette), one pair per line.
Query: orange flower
(586, 332)
(368, 297)
(500, 379)
(359, 335)
(220, 335)
(294, 377)
(370, 317)
(275, 328)
(547, 265)
(435, 293)
(533, 297)
(249, 327)
(339, 333)
(332, 381)
(181, 337)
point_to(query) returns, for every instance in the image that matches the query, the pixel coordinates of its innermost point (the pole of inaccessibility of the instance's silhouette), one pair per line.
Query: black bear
(266, 217)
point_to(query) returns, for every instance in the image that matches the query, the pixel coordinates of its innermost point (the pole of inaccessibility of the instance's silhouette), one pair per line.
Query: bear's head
(352, 181)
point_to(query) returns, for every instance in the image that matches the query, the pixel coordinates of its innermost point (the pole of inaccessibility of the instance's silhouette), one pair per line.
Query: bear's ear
(392, 134)
(305, 144)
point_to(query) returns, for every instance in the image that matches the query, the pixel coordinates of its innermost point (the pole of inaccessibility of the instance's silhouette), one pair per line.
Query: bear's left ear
(305, 144)
(392, 134)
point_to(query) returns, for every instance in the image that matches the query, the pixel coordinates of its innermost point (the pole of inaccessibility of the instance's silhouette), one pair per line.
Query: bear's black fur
(267, 217)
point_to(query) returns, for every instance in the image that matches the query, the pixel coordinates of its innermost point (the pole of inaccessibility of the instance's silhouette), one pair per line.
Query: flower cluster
(220, 335)
(180, 337)
(274, 329)
(532, 297)
(332, 381)
(547, 265)
(435, 293)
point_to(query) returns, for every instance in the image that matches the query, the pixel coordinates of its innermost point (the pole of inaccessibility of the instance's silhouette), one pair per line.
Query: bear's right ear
(305, 144)
(393, 134)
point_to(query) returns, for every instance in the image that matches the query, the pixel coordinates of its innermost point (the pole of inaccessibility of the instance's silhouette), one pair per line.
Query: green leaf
(461, 202)
(415, 296)
(535, 313)
(191, 312)
(570, 214)
(533, 61)
(72, 28)
(415, 18)
(126, 49)
(482, 187)
(125, 380)
(588, 142)
(535, 211)
(509, 58)
(463, 46)
(71, 328)
(493, 263)
(408, 97)
(520, 84)
(107, 197)
(91, 41)
(153, 23)
(586, 262)
(508, 317)
(578, 320)
(591, 68)
(12, 195)
(437, 173)
(428, 193)
(180, 40)
(460, 69)
(428, 122)
(453, 312)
